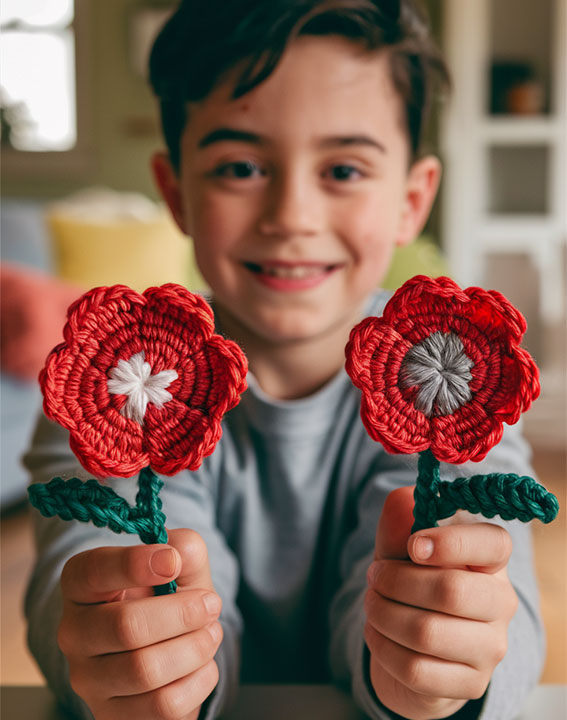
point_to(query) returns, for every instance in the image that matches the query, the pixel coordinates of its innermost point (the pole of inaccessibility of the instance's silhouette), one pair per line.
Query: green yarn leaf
(512, 497)
(89, 501)
(85, 501)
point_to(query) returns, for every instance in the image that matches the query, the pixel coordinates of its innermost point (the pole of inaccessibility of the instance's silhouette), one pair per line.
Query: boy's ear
(421, 188)
(167, 181)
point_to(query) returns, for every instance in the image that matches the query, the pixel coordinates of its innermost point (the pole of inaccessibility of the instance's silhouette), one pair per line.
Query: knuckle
(371, 638)
(129, 627)
(76, 679)
(191, 611)
(83, 568)
(130, 561)
(205, 647)
(66, 574)
(211, 676)
(64, 638)
(195, 548)
(176, 700)
(513, 602)
(500, 648)
(369, 602)
(90, 571)
(144, 670)
(430, 705)
(478, 686)
(208, 679)
(425, 631)
(167, 703)
(451, 591)
(415, 675)
(457, 545)
(503, 543)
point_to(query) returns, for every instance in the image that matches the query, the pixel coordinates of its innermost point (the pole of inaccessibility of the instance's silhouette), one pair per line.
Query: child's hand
(436, 627)
(134, 655)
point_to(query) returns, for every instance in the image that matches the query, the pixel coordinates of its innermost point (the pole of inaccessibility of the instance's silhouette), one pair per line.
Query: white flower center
(133, 378)
(441, 369)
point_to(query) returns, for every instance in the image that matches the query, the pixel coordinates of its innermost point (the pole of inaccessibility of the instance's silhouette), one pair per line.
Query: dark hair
(205, 39)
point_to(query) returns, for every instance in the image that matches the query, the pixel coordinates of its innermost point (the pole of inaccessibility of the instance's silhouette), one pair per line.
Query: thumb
(195, 569)
(394, 526)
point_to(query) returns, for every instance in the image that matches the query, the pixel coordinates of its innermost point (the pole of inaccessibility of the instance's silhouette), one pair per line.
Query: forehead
(325, 85)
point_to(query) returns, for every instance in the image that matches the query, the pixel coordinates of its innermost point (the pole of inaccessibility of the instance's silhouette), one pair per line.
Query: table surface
(276, 702)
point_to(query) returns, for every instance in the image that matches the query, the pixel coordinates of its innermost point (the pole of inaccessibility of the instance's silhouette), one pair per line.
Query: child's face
(296, 194)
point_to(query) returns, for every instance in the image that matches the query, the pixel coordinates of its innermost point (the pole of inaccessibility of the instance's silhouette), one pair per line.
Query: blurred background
(78, 208)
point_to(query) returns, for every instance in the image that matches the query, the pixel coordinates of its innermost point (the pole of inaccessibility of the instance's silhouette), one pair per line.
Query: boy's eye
(344, 172)
(239, 170)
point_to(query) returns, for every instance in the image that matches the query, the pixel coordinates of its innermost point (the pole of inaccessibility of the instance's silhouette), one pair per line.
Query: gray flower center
(441, 370)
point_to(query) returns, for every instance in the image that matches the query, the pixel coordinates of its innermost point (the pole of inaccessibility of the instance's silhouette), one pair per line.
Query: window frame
(78, 160)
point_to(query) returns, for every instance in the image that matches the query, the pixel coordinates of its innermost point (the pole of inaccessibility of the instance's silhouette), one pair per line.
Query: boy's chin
(300, 329)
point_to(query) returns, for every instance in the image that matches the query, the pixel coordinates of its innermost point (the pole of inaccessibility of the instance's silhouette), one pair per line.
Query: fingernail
(212, 603)
(164, 562)
(423, 548)
(215, 631)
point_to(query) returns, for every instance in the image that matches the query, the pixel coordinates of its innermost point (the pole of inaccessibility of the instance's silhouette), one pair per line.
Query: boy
(293, 133)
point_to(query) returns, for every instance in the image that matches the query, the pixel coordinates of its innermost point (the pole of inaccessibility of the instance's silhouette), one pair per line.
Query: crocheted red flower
(442, 370)
(142, 380)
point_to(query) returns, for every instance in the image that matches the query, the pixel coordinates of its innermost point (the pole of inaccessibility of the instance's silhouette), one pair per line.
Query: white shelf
(505, 181)
(522, 227)
(510, 130)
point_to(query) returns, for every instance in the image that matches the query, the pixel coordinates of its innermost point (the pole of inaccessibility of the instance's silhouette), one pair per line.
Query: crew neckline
(307, 416)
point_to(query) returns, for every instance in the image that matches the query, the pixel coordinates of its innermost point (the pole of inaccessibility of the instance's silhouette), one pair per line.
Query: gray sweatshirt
(288, 505)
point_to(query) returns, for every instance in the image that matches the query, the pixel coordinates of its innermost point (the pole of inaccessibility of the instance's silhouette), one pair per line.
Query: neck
(293, 369)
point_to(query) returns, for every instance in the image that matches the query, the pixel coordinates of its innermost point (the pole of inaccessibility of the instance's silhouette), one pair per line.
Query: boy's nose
(292, 208)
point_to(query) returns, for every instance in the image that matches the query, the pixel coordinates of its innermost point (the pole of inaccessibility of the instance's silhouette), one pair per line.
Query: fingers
(117, 627)
(147, 656)
(101, 574)
(140, 671)
(424, 674)
(436, 634)
(456, 592)
(195, 569)
(171, 702)
(405, 701)
(395, 524)
(179, 700)
(483, 547)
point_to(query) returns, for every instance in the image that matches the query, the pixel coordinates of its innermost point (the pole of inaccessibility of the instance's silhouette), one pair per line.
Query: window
(37, 75)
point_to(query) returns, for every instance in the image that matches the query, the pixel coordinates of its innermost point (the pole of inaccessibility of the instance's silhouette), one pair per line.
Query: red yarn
(504, 376)
(175, 330)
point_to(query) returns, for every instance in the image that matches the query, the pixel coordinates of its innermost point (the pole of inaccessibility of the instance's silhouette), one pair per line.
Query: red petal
(175, 330)
(374, 356)
(467, 434)
(504, 377)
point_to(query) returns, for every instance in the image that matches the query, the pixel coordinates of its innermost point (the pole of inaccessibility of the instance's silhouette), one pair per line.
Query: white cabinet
(503, 144)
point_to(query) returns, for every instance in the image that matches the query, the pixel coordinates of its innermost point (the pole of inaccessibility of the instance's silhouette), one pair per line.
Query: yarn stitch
(142, 383)
(118, 343)
(440, 372)
(504, 378)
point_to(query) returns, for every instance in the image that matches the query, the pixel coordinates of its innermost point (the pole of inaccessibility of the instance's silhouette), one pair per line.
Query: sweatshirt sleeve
(520, 669)
(187, 502)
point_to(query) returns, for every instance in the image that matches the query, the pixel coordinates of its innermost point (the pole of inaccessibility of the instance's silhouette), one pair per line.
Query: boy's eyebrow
(345, 140)
(232, 134)
(226, 133)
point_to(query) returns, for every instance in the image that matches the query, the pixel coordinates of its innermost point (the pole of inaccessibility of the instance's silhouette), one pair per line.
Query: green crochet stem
(90, 501)
(507, 495)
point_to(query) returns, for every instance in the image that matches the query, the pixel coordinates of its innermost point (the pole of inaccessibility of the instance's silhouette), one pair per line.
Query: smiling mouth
(290, 272)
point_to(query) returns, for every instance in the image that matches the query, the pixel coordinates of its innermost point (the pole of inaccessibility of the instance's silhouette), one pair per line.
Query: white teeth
(295, 271)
